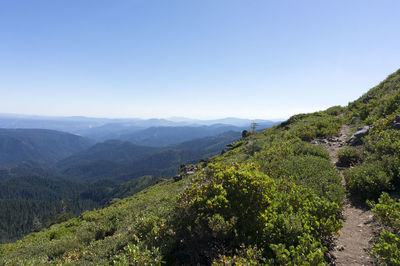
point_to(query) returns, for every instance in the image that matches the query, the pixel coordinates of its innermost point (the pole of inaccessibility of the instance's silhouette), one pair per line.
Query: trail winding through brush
(353, 244)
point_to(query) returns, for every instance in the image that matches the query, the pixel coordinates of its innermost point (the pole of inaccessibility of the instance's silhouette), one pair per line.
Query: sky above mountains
(200, 59)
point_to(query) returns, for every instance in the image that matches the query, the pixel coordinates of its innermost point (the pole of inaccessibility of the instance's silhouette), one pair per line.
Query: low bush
(227, 207)
(309, 171)
(387, 248)
(304, 148)
(368, 180)
(136, 254)
(315, 125)
(335, 110)
(349, 156)
(244, 256)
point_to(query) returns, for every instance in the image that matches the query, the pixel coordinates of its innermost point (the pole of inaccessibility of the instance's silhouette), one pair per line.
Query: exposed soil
(353, 244)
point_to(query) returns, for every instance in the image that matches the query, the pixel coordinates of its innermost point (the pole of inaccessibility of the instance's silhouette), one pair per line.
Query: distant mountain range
(101, 129)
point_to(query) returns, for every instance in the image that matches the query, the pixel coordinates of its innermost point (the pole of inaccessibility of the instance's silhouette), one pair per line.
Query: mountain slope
(17, 145)
(24, 199)
(113, 150)
(169, 136)
(375, 162)
(114, 234)
(33, 194)
(29, 168)
(123, 161)
(248, 185)
(273, 199)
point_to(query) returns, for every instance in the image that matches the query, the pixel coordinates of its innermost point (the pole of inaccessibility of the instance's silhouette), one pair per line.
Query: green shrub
(304, 148)
(313, 172)
(245, 256)
(368, 180)
(384, 142)
(136, 254)
(387, 248)
(349, 156)
(387, 211)
(316, 125)
(57, 248)
(335, 110)
(228, 207)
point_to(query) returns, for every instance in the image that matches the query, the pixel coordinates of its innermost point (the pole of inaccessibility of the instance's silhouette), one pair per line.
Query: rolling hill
(169, 136)
(49, 146)
(123, 161)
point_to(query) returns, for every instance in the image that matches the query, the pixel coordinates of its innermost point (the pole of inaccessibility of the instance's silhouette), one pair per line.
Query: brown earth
(353, 244)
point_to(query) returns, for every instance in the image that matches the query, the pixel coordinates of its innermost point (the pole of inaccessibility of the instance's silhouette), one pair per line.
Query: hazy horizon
(178, 118)
(199, 59)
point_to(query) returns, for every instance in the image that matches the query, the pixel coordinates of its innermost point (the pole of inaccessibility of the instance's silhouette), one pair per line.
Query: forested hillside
(169, 136)
(123, 161)
(17, 145)
(34, 195)
(273, 198)
(30, 203)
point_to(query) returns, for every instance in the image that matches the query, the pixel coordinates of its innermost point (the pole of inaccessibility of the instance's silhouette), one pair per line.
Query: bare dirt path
(353, 243)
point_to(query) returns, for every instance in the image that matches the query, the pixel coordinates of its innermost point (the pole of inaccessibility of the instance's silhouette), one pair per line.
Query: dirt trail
(351, 247)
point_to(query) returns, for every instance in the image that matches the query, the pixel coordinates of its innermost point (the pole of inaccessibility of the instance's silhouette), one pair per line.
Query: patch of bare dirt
(353, 244)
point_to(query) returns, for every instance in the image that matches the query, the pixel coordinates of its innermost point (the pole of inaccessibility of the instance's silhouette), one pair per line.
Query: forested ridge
(49, 146)
(34, 195)
(272, 198)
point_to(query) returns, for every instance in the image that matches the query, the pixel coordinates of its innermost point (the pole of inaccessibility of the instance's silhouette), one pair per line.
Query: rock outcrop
(227, 148)
(361, 132)
(396, 123)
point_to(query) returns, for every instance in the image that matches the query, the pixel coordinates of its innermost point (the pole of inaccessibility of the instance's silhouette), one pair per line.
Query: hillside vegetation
(273, 198)
(123, 161)
(285, 187)
(34, 195)
(376, 171)
(17, 145)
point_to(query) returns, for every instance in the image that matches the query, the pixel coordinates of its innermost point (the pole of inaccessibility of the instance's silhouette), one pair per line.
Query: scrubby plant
(335, 110)
(227, 207)
(349, 156)
(136, 254)
(305, 148)
(387, 248)
(315, 125)
(368, 180)
(243, 256)
(313, 172)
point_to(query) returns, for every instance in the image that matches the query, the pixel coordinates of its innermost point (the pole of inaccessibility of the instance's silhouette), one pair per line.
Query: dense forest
(273, 198)
(49, 146)
(35, 195)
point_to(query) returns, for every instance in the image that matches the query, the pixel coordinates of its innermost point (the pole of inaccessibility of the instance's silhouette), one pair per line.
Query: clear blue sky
(192, 58)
